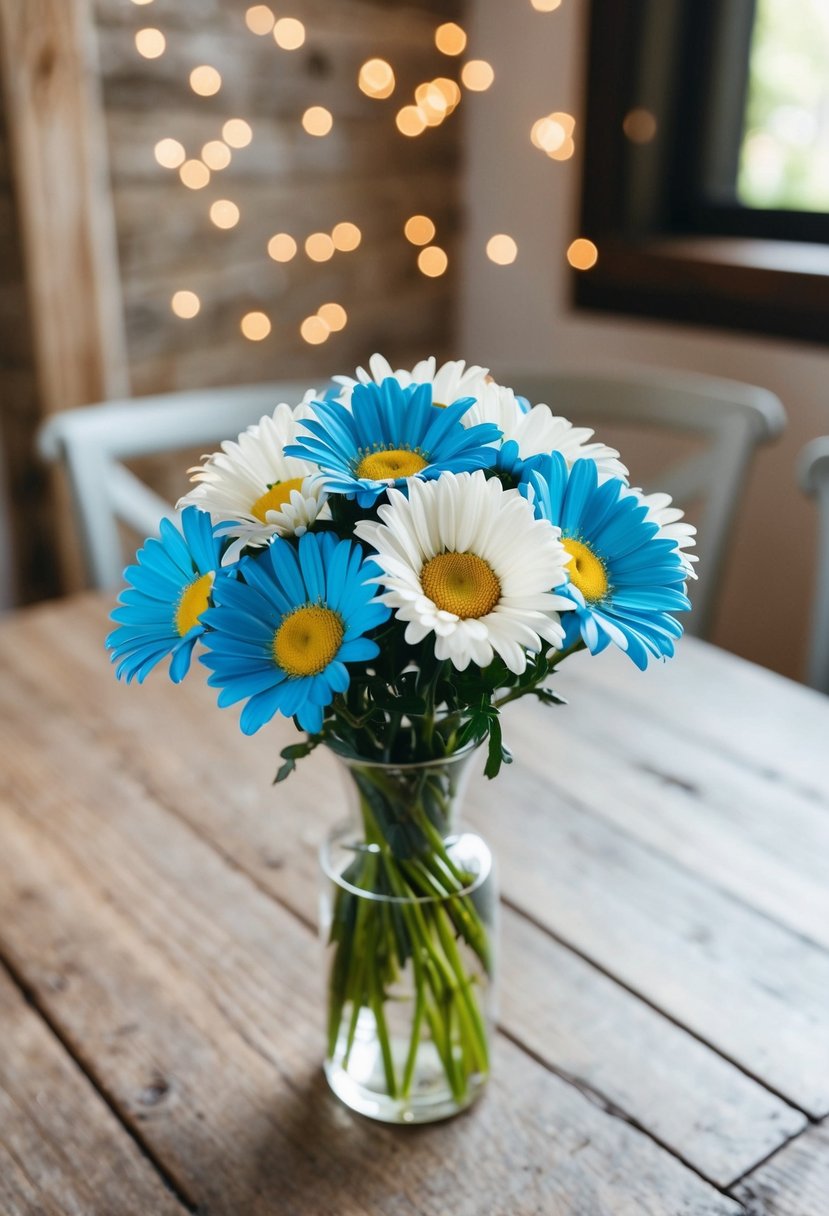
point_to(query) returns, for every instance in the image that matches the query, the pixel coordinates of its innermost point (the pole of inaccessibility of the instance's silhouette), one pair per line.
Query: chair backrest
(732, 417)
(813, 474)
(94, 440)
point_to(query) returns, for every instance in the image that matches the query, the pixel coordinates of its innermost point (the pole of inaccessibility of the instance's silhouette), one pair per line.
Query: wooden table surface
(664, 1029)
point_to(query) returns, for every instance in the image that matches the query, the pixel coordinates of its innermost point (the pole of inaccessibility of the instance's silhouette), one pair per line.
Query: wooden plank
(62, 1152)
(560, 1007)
(762, 719)
(58, 149)
(761, 841)
(794, 1182)
(188, 992)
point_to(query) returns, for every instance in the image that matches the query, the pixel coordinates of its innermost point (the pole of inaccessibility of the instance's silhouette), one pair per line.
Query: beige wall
(520, 314)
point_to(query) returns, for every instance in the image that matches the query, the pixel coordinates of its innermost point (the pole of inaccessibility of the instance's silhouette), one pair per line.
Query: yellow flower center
(195, 599)
(307, 640)
(275, 498)
(391, 464)
(462, 583)
(587, 572)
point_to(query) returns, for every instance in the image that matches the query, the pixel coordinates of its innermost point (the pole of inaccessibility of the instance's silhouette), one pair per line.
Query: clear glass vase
(408, 915)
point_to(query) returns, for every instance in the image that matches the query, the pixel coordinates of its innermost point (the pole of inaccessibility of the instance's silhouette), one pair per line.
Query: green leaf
(294, 752)
(547, 697)
(497, 754)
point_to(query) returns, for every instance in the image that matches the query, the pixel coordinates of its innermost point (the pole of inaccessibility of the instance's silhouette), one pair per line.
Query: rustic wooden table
(664, 1046)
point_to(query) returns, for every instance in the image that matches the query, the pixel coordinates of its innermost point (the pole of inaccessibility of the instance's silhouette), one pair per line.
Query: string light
(150, 43)
(501, 249)
(142, 1)
(215, 154)
(255, 326)
(547, 134)
(545, 6)
(411, 121)
(346, 236)
(205, 80)
(289, 33)
(237, 133)
(317, 120)
(195, 174)
(639, 125)
(432, 261)
(419, 229)
(450, 39)
(477, 75)
(224, 213)
(170, 153)
(282, 247)
(431, 103)
(449, 89)
(185, 304)
(314, 330)
(334, 316)
(582, 254)
(319, 247)
(259, 19)
(376, 79)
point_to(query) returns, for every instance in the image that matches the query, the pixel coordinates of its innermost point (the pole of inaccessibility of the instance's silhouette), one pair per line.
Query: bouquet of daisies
(389, 563)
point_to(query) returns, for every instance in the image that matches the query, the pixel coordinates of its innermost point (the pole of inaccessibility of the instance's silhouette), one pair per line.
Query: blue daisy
(160, 612)
(624, 579)
(388, 434)
(281, 636)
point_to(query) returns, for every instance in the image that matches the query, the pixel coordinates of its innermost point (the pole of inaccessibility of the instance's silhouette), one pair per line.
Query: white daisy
(254, 489)
(466, 560)
(538, 432)
(450, 381)
(668, 519)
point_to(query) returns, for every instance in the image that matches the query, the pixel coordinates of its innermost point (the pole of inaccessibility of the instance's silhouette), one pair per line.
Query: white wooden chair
(92, 442)
(813, 474)
(732, 417)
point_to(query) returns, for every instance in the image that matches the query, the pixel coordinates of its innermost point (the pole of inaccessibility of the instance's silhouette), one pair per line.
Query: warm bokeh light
(346, 236)
(547, 134)
(501, 249)
(639, 125)
(237, 133)
(319, 247)
(205, 80)
(419, 229)
(185, 304)
(215, 154)
(195, 174)
(282, 247)
(315, 330)
(376, 79)
(142, 1)
(411, 121)
(255, 326)
(224, 213)
(317, 120)
(477, 75)
(432, 261)
(259, 19)
(150, 43)
(170, 153)
(545, 6)
(432, 103)
(450, 90)
(334, 316)
(582, 253)
(450, 39)
(289, 33)
(564, 152)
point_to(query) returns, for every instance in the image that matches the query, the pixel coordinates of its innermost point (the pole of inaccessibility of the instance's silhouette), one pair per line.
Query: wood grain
(188, 993)
(62, 1151)
(192, 759)
(795, 1182)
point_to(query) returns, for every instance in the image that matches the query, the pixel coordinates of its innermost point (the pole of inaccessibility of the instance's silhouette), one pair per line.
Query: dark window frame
(671, 245)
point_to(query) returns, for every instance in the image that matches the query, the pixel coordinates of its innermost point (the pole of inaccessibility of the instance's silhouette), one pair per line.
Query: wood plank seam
(533, 920)
(670, 859)
(758, 1165)
(31, 998)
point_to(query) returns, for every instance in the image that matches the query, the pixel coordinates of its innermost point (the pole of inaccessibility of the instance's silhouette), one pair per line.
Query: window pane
(784, 156)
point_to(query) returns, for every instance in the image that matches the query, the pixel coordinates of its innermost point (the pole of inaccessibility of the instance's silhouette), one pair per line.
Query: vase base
(429, 1102)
